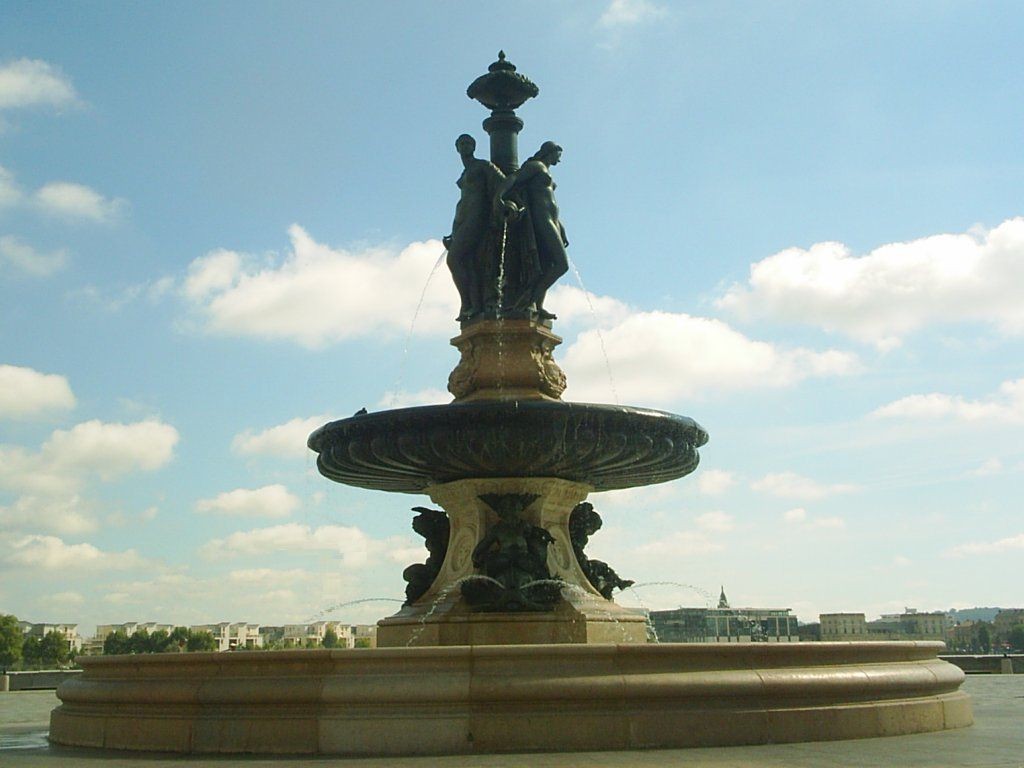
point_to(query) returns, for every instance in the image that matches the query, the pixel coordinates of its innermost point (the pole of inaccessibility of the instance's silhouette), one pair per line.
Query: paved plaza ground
(995, 741)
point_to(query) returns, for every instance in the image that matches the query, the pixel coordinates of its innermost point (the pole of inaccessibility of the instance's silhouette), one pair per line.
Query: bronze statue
(530, 193)
(468, 251)
(434, 527)
(512, 556)
(584, 522)
(504, 260)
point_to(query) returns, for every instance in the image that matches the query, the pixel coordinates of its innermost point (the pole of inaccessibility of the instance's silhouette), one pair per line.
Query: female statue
(474, 218)
(530, 192)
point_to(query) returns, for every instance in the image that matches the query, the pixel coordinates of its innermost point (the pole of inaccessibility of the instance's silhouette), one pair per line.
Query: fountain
(509, 639)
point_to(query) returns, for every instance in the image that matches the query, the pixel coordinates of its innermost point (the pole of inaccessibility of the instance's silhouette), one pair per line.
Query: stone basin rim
(604, 446)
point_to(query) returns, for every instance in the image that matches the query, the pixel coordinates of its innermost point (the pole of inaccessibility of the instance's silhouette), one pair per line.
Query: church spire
(723, 601)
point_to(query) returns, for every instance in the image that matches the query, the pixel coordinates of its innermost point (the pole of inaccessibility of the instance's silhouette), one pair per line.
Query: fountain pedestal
(506, 360)
(442, 617)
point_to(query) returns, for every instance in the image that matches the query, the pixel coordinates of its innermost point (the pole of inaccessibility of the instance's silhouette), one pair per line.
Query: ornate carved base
(506, 360)
(442, 617)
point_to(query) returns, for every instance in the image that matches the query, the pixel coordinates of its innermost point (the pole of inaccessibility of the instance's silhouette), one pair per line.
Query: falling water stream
(338, 606)
(501, 304)
(442, 596)
(597, 329)
(651, 631)
(404, 362)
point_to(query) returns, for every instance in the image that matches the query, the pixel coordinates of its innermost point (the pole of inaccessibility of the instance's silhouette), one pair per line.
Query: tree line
(178, 640)
(21, 651)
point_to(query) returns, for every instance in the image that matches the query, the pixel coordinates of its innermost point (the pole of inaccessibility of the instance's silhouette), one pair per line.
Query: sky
(798, 223)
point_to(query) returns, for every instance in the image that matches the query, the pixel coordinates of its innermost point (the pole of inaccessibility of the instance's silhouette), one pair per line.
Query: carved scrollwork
(462, 380)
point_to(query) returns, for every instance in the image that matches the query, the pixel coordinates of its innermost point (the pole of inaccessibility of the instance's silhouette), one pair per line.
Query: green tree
(139, 642)
(362, 642)
(54, 649)
(178, 639)
(160, 642)
(201, 641)
(1016, 638)
(116, 643)
(11, 640)
(30, 652)
(984, 639)
(330, 638)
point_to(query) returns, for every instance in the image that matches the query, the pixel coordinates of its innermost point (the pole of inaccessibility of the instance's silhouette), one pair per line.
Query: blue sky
(799, 224)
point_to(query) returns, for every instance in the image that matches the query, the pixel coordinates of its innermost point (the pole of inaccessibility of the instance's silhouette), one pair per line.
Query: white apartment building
(302, 634)
(69, 631)
(129, 628)
(232, 636)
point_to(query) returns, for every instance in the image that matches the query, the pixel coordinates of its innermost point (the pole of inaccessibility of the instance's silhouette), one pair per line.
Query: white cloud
(317, 295)
(715, 522)
(895, 289)
(799, 517)
(30, 82)
(355, 547)
(265, 595)
(10, 193)
(68, 515)
(712, 482)
(269, 577)
(834, 523)
(92, 449)
(24, 258)
(268, 501)
(77, 201)
(409, 399)
(642, 497)
(49, 553)
(1005, 407)
(574, 305)
(214, 272)
(789, 485)
(660, 357)
(989, 467)
(1009, 544)
(796, 515)
(679, 544)
(26, 393)
(628, 13)
(64, 600)
(285, 440)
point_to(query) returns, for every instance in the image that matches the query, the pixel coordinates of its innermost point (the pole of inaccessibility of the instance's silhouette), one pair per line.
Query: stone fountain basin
(604, 446)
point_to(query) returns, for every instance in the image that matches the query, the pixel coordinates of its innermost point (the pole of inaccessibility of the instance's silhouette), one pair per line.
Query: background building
(231, 636)
(909, 625)
(725, 624)
(69, 631)
(843, 626)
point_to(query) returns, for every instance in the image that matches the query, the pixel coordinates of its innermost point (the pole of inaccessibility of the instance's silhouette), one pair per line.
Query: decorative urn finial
(503, 90)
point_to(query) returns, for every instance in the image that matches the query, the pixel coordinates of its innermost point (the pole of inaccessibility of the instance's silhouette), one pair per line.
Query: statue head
(549, 153)
(584, 520)
(429, 522)
(465, 145)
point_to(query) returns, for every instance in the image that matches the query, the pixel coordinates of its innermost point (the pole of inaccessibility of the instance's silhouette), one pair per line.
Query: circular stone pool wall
(467, 699)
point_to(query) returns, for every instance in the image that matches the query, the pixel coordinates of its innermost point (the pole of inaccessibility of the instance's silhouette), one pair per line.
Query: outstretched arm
(509, 185)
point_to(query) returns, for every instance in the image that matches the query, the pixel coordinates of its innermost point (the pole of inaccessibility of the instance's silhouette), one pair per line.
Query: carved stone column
(442, 617)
